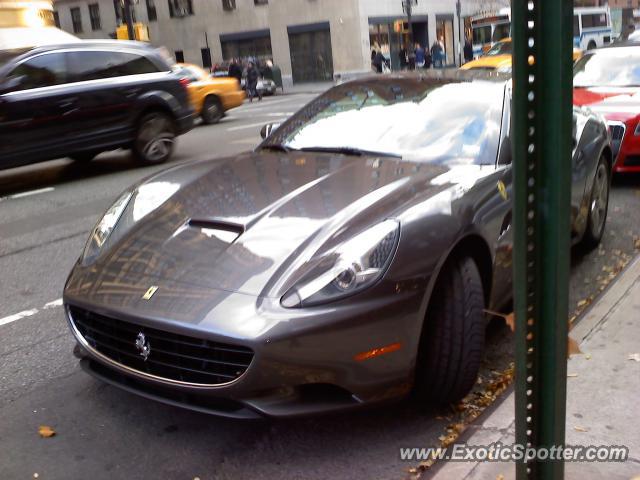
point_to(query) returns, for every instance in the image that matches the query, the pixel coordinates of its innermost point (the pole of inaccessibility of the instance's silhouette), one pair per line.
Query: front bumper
(184, 123)
(303, 364)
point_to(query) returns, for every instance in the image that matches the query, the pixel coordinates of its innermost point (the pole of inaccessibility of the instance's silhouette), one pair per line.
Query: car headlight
(348, 268)
(104, 227)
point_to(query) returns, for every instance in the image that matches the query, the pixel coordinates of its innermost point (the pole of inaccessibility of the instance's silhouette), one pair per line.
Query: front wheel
(598, 206)
(453, 335)
(155, 138)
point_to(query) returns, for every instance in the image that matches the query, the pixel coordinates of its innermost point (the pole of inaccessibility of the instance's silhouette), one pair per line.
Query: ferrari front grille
(161, 354)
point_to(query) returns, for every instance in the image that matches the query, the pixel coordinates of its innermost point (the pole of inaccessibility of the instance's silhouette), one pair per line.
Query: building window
(179, 56)
(206, 57)
(152, 15)
(94, 15)
(229, 4)
(261, 2)
(255, 44)
(56, 19)
(76, 20)
(180, 8)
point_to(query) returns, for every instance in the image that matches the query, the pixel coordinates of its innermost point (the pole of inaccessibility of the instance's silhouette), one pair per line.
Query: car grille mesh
(174, 357)
(617, 134)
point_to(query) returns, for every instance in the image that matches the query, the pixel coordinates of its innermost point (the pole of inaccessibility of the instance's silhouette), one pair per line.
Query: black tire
(155, 138)
(83, 156)
(453, 335)
(598, 205)
(212, 110)
(591, 45)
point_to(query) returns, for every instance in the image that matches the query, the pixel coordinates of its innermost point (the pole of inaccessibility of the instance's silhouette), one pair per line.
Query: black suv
(80, 99)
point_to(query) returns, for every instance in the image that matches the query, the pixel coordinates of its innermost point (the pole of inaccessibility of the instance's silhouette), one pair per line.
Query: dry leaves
(634, 356)
(46, 431)
(572, 347)
(572, 375)
(578, 428)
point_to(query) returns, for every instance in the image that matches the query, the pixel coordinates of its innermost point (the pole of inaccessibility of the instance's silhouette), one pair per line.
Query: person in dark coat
(253, 74)
(468, 50)
(404, 61)
(235, 70)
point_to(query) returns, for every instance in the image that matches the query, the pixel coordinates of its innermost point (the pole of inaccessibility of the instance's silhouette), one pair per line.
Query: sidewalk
(310, 87)
(603, 394)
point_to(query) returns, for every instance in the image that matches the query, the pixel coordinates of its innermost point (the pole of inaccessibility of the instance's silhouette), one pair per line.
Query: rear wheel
(598, 206)
(591, 45)
(212, 110)
(155, 138)
(453, 335)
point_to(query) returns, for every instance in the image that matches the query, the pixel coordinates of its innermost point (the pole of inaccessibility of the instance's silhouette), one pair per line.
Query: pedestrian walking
(435, 54)
(378, 62)
(420, 56)
(235, 70)
(468, 49)
(443, 53)
(253, 74)
(404, 61)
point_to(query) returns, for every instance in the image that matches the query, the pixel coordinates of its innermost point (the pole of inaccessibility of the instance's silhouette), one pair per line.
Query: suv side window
(41, 71)
(94, 65)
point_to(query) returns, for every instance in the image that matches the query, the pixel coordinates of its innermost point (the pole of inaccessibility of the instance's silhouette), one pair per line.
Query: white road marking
(18, 316)
(28, 194)
(55, 303)
(252, 125)
(30, 313)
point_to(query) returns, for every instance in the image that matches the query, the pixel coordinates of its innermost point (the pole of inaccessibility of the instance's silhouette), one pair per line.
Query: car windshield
(501, 48)
(610, 67)
(424, 120)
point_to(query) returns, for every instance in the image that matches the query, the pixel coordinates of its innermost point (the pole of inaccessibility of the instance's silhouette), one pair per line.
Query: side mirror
(268, 129)
(10, 84)
(505, 156)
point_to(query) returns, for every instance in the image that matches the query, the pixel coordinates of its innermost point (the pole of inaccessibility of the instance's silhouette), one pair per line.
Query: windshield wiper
(350, 151)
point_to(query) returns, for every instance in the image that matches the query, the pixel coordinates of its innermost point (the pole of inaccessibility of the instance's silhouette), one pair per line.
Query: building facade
(311, 40)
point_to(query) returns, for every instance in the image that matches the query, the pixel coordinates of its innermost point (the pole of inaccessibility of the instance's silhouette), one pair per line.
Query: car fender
(157, 99)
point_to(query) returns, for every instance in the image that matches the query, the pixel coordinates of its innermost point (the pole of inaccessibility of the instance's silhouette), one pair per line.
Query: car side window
(42, 71)
(94, 65)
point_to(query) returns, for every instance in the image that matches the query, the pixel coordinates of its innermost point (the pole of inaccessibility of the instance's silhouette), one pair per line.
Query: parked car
(607, 80)
(210, 97)
(345, 261)
(80, 99)
(265, 86)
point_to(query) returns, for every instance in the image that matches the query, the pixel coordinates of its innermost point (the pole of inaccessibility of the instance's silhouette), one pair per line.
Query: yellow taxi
(498, 58)
(210, 97)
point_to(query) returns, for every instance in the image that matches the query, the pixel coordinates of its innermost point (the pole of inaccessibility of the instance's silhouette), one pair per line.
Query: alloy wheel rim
(156, 138)
(599, 200)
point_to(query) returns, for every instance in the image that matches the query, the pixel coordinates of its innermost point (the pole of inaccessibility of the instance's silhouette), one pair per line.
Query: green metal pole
(542, 129)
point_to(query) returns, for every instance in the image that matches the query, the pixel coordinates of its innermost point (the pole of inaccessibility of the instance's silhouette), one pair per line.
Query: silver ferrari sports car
(347, 260)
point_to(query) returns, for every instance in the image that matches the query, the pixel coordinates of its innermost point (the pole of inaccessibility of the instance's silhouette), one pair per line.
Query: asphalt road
(46, 212)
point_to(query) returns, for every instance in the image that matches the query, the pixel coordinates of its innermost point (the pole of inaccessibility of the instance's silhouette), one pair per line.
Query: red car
(607, 80)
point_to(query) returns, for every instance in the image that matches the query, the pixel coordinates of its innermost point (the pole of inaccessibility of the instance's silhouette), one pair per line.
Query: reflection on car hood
(612, 102)
(238, 224)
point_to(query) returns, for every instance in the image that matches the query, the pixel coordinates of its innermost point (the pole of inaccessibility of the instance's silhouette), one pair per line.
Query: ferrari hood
(235, 225)
(617, 103)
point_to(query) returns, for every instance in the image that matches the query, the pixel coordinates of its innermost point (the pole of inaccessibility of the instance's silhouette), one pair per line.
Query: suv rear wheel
(155, 138)
(453, 335)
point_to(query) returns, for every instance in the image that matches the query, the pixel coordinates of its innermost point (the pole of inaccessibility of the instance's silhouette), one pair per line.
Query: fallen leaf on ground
(572, 375)
(634, 356)
(588, 356)
(500, 477)
(572, 347)
(578, 428)
(45, 431)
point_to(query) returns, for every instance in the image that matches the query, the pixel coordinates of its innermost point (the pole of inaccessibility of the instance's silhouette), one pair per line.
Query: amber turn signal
(376, 352)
